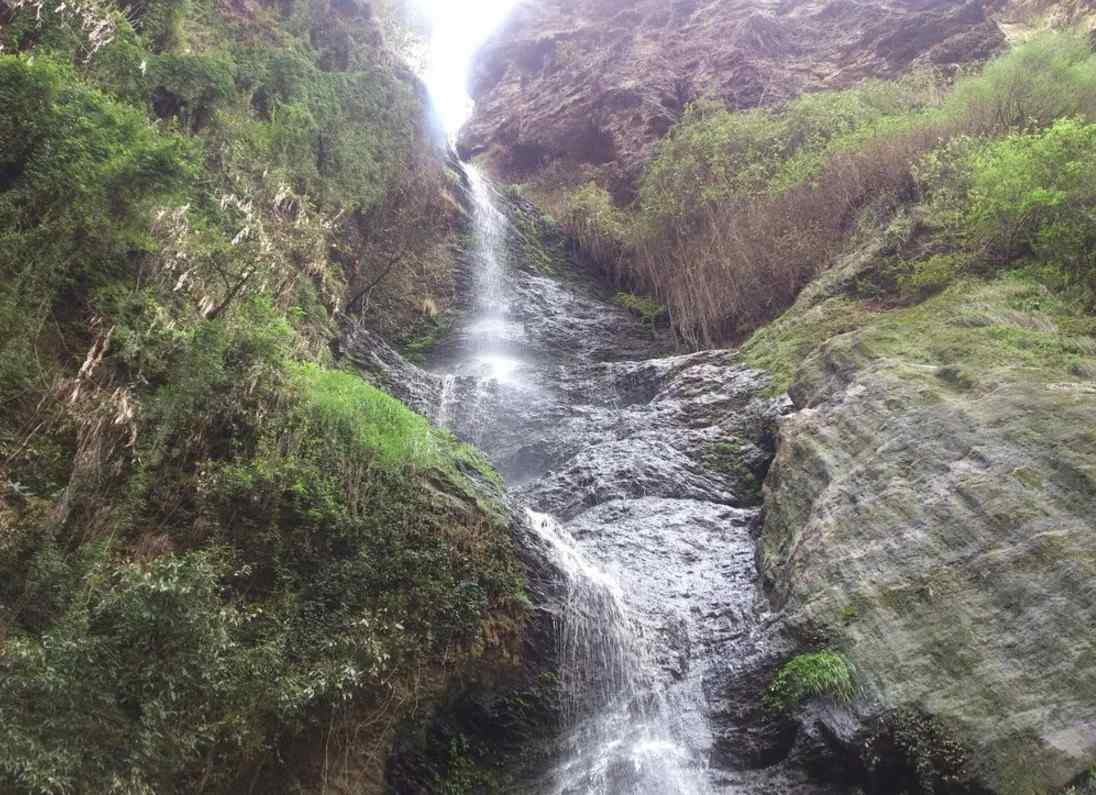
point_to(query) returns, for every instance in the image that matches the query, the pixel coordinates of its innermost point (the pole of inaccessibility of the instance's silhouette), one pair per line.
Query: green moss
(1013, 322)
(984, 333)
(533, 249)
(823, 673)
(783, 345)
(1029, 477)
(424, 336)
(726, 456)
(925, 277)
(645, 307)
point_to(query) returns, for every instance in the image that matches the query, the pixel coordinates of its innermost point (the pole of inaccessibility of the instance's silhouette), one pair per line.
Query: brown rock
(598, 82)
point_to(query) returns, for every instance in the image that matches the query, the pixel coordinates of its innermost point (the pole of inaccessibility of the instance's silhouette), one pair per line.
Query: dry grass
(745, 262)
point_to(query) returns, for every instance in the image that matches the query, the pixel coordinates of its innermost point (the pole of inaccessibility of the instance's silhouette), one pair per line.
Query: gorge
(715, 414)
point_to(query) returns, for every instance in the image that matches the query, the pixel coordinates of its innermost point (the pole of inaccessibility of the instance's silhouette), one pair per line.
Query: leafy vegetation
(222, 558)
(646, 308)
(598, 227)
(822, 673)
(1027, 196)
(739, 211)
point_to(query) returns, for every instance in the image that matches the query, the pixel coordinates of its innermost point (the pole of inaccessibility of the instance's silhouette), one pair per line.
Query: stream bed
(640, 474)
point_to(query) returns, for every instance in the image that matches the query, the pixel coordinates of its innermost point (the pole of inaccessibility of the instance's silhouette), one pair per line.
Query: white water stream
(623, 735)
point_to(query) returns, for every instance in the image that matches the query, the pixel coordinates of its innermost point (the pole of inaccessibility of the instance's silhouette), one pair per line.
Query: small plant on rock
(822, 673)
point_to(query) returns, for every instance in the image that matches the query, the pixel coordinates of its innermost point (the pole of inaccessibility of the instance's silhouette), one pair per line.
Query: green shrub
(190, 87)
(644, 306)
(716, 155)
(738, 211)
(79, 176)
(1027, 195)
(85, 706)
(597, 226)
(1036, 194)
(823, 673)
(161, 21)
(1047, 78)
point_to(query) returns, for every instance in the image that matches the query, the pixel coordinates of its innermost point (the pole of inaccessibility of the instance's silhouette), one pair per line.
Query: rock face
(652, 466)
(931, 512)
(597, 82)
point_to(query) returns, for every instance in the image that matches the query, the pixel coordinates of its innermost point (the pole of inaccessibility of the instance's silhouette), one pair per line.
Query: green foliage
(823, 673)
(715, 155)
(738, 211)
(644, 306)
(161, 21)
(189, 87)
(212, 539)
(80, 174)
(1049, 77)
(350, 418)
(340, 136)
(1034, 195)
(597, 225)
(86, 710)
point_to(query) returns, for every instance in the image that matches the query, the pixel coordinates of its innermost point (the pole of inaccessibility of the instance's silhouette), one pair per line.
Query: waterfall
(623, 712)
(492, 336)
(621, 738)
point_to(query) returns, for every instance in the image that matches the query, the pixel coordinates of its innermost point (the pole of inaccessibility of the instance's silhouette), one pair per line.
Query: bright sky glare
(459, 28)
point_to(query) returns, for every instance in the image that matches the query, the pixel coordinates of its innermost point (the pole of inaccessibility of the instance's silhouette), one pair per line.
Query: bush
(649, 310)
(79, 176)
(714, 155)
(597, 226)
(140, 675)
(1047, 78)
(823, 673)
(1034, 195)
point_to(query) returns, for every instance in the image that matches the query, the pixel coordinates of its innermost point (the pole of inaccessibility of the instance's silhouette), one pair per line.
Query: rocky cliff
(593, 84)
(930, 510)
(226, 563)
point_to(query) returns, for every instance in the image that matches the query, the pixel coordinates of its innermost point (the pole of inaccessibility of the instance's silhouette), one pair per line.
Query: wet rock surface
(653, 466)
(539, 103)
(931, 512)
(956, 533)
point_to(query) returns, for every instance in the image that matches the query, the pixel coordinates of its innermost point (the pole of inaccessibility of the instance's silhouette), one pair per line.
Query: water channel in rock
(640, 474)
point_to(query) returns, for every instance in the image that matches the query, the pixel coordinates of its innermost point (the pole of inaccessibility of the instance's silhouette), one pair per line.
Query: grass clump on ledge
(823, 673)
(354, 418)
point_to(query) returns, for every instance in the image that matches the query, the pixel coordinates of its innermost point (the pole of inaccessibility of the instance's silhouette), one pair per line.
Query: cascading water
(622, 739)
(492, 340)
(624, 713)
